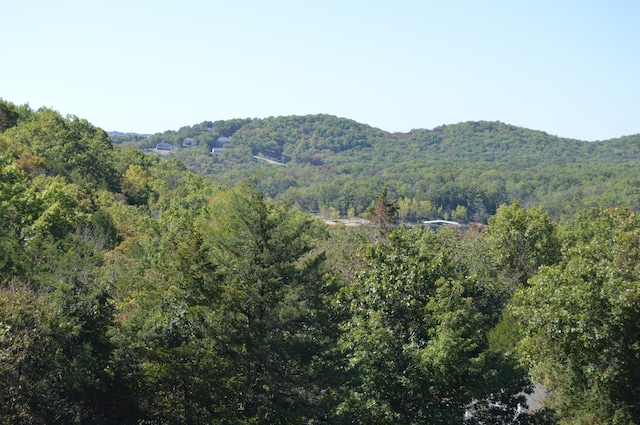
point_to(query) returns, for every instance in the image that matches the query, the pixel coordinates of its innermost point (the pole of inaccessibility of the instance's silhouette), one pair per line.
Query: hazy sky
(570, 68)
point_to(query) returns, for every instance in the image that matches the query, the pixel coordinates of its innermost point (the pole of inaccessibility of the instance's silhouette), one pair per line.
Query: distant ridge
(471, 167)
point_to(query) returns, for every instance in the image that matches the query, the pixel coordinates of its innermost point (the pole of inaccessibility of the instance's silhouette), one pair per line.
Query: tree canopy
(580, 321)
(466, 170)
(133, 290)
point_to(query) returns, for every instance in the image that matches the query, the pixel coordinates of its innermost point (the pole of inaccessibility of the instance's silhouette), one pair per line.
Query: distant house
(189, 142)
(220, 145)
(223, 141)
(164, 147)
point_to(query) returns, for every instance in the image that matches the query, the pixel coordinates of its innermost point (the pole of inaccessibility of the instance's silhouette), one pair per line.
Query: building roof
(164, 146)
(434, 223)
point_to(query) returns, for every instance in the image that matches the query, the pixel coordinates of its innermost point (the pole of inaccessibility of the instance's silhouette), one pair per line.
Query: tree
(382, 212)
(580, 321)
(183, 368)
(71, 147)
(521, 240)
(416, 341)
(26, 356)
(8, 115)
(276, 304)
(12, 214)
(136, 184)
(224, 313)
(56, 357)
(459, 214)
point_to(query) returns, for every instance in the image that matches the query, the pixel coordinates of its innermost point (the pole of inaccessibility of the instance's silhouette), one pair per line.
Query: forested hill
(133, 291)
(473, 141)
(336, 164)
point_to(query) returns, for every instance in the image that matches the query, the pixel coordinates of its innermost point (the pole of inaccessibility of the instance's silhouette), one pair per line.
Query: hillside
(467, 169)
(134, 291)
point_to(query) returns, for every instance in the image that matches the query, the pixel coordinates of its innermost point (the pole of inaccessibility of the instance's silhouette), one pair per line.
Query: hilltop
(467, 169)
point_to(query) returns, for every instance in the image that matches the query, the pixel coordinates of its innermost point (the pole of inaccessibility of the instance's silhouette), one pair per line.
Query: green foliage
(12, 210)
(8, 115)
(205, 134)
(580, 318)
(477, 166)
(459, 214)
(521, 240)
(135, 291)
(136, 184)
(34, 210)
(278, 307)
(56, 362)
(229, 288)
(26, 352)
(71, 147)
(416, 340)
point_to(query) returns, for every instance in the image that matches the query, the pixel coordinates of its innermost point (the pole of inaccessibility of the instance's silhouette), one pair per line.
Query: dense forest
(187, 287)
(462, 171)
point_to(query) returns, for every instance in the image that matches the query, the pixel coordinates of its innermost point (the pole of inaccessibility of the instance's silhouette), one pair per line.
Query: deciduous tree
(521, 240)
(580, 322)
(416, 341)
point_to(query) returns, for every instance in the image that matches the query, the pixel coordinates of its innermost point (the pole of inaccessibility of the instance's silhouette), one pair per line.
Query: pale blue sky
(570, 68)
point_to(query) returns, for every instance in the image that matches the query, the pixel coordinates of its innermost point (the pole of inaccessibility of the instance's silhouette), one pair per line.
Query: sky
(569, 68)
